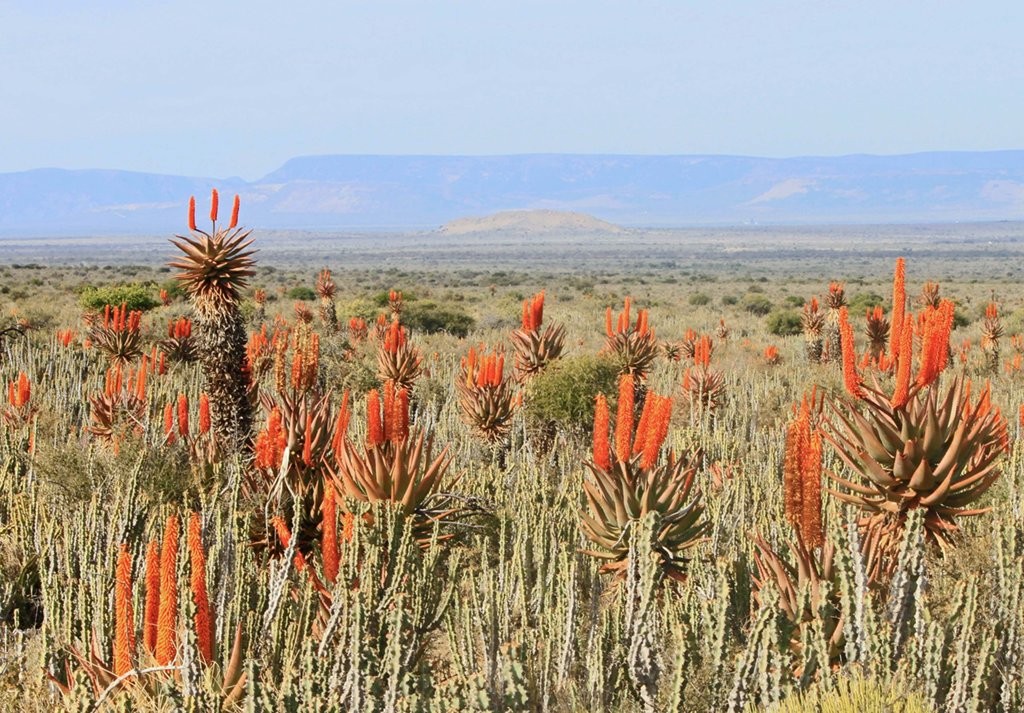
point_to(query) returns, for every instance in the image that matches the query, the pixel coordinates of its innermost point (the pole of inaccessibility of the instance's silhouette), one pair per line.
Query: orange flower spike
(204, 413)
(991, 311)
(192, 213)
(169, 423)
(183, 416)
(307, 441)
(234, 212)
(810, 472)
(602, 449)
(152, 604)
(401, 416)
(24, 389)
(657, 430)
(608, 321)
(203, 619)
(140, 379)
(851, 379)
(537, 310)
(374, 427)
(624, 419)
(168, 614)
(214, 205)
(124, 615)
(899, 307)
(901, 391)
(329, 529)
(642, 425)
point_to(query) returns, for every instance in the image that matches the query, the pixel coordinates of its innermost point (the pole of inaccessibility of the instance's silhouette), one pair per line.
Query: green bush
(303, 293)
(729, 300)
(382, 299)
(564, 393)
(757, 304)
(784, 323)
(134, 296)
(863, 301)
(699, 299)
(430, 317)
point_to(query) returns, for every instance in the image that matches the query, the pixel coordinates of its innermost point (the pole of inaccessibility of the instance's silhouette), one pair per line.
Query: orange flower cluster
(167, 610)
(388, 421)
(357, 329)
(120, 319)
(899, 307)
(645, 440)
(533, 312)
(305, 360)
(160, 607)
(395, 302)
(482, 370)
(214, 205)
(19, 391)
(702, 351)
(203, 618)
(934, 326)
(394, 337)
(851, 379)
(165, 298)
(65, 337)
(991, 311)
(204, 413)
(801, 473)
(116, 381)
(771, 354)
(180, 328)
(622, 323)
(271, 442)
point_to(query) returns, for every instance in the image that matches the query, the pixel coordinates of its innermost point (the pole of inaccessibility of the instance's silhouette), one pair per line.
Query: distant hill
(532, 222)
(424, 192)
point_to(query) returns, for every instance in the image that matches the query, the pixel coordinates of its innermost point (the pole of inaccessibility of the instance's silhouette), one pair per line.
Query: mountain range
(355, 192)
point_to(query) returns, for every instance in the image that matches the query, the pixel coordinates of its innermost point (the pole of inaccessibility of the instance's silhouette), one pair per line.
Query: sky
(221, 89)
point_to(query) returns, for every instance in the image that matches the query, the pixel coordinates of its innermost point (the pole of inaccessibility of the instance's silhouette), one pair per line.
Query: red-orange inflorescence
(851, 379)
(899, 308)
(167, 617)
(624, 419)
(533, 313)
(602, 448)
(203, 618)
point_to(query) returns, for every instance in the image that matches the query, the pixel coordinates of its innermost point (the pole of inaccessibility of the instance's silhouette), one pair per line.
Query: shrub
(699, 299)
(863, 301)
(430, 317)
(564, 393)
(757, 304)
(134, 296)
(730, 300)
(306, 294)
(784, 323)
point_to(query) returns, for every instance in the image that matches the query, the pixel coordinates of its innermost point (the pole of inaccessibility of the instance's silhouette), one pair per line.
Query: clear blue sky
(220, 89)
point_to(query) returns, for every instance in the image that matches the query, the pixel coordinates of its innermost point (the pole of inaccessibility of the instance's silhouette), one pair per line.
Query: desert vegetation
(228, 485)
